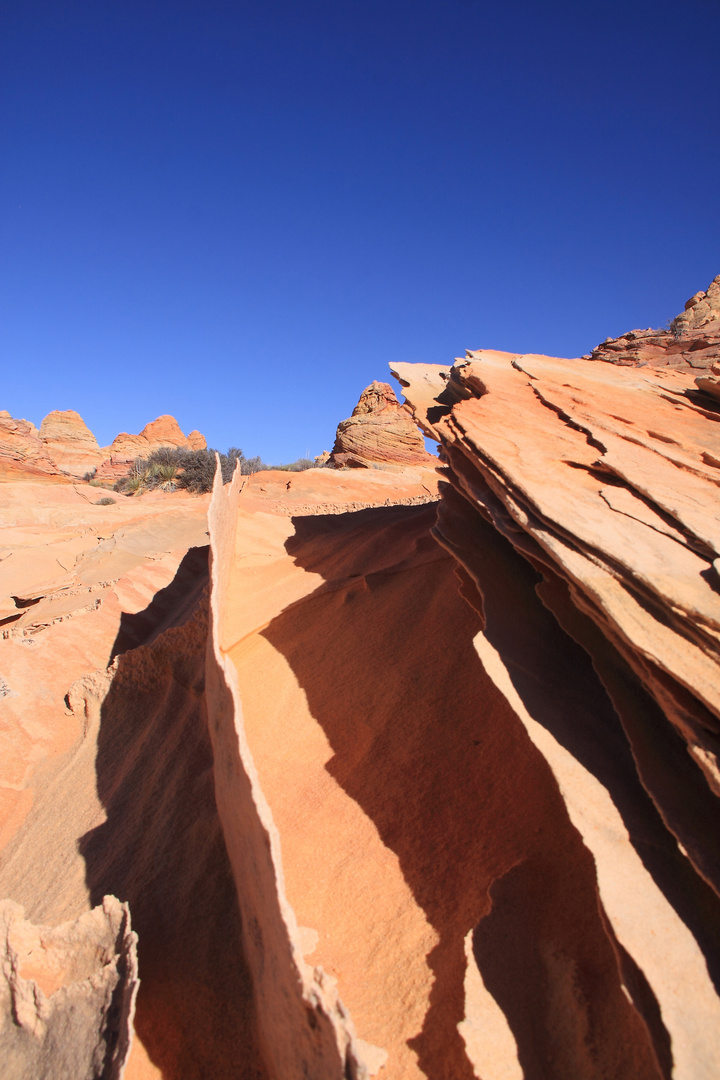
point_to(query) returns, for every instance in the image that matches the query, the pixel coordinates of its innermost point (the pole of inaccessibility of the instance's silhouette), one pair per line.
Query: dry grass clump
(91, 479)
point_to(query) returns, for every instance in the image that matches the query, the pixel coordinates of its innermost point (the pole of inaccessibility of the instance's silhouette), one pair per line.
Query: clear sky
(240, 211)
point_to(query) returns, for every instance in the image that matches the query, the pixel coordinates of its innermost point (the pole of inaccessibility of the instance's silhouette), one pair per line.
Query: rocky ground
(382, 769)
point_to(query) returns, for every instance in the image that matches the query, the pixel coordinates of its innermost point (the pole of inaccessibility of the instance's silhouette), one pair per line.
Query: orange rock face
(379, 433)
(85, 588)
(69, 443)
(196, 441)
(604, 503)
(22, 452)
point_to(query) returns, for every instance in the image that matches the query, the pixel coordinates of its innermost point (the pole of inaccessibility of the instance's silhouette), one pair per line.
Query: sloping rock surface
(607, 491)
(106, 768)
(691, 343)
(412, 806)
(380, 433)
(108, 778)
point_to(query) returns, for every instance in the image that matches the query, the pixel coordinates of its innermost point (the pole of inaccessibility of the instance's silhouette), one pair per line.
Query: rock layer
(691, 342)
(380, 434)
(412, 806)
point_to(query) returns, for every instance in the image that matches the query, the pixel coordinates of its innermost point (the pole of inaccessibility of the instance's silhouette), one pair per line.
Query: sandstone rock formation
(165, 431)
(106, 773)
(69, 443)
(102, 661)
(196, 441)
(22, 452)
(65, 447)
(692, 342)
(380, 433)
(701, 310)
(588, 534)
(393, 781)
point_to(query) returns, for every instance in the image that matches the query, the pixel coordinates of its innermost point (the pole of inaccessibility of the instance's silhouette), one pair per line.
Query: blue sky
(241, 212)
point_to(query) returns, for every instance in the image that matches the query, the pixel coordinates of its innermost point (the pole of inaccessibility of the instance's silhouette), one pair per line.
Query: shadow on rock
(535, 627)
(161, 847)
(427, 746)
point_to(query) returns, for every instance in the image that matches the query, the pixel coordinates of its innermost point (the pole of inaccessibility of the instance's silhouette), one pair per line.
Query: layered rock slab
(607, 490)
(303, 1027)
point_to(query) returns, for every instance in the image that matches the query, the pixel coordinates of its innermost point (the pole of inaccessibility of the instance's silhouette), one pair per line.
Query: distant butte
(380, 434)
(65, 448)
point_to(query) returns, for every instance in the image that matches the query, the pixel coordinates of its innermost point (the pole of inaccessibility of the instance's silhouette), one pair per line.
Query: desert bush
(168, 455)
(107, 501)
(253, 465)
(194, 470)
(197, 471)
